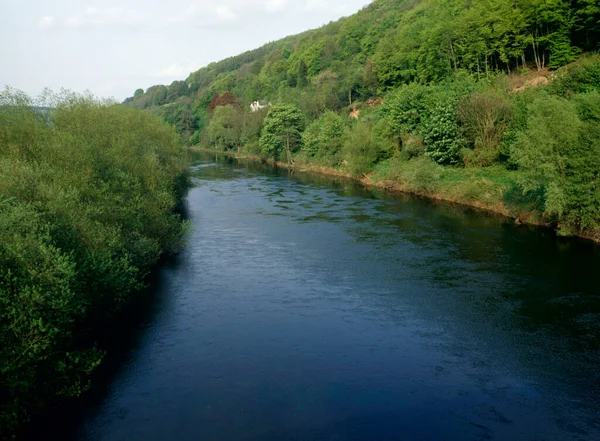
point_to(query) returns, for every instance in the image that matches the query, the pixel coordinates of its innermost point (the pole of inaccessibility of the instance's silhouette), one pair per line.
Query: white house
(257, 105)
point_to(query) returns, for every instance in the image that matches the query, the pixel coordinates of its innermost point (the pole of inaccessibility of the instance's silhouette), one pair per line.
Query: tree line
(387, 44)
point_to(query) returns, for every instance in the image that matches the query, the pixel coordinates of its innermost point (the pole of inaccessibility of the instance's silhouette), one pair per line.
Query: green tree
(441, 132)
(302, 74)
(484, 118)
(542, 150)
(224, 130)
(281, 133)
(176, 90)
(159, 95)
(326, 88)
(324, 136)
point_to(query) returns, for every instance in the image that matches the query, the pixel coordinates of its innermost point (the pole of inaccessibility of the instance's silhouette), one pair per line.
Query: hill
(494, 101)
(387, 44)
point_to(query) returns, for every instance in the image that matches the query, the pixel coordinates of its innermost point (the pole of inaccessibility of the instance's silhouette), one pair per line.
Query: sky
(112, 47)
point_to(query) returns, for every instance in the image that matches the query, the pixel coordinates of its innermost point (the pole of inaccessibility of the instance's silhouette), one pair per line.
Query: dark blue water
(310, 309)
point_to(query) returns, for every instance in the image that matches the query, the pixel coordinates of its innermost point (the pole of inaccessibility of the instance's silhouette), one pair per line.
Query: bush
(406, 108)
(588, 106)
(195, 138)
(363, 148)
(582, 77)
(422, 175)
(560, 154)
(324, 137)
(87, 191)
(413, 146)
(484, 118)
(253, 148)
(440, 134)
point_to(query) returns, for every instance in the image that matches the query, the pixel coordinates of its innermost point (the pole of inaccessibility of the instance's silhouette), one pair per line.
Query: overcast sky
(112, 47)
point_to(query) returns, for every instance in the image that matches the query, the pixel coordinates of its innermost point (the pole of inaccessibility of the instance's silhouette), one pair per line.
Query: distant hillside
(492, 103)
(386, 44)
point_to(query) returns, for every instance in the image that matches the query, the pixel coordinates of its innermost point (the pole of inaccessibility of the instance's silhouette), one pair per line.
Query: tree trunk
(535, 54)
(543, 58)
(287, 148)
(453, 56)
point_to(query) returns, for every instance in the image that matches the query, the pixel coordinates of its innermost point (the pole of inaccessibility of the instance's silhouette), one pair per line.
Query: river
(309, 308)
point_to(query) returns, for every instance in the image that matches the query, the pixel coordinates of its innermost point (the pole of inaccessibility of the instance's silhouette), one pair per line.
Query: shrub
(581, 77)
(440, 134)
(406, 108)
(413, 146)
(87, 192)
(561, 156)
(422, 175)
(324, 137)
(588, 106)
(484, 118)
(363, 148)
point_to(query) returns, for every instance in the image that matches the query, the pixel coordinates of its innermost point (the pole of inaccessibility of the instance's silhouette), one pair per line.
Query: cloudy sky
(112, 47)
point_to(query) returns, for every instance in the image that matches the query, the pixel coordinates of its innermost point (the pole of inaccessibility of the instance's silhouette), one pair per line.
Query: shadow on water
(121, 338)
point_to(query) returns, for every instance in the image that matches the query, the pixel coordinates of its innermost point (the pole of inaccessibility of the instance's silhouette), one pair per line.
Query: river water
(307, 308)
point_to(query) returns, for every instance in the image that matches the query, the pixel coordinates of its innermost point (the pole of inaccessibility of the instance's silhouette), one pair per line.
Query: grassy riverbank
(492, 189)
(87, 197)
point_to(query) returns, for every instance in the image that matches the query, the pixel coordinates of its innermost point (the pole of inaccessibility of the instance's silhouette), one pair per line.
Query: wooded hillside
(385, 45)
(494, 103)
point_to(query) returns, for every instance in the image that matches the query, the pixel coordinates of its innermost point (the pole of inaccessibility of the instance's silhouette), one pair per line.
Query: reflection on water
(310, 308)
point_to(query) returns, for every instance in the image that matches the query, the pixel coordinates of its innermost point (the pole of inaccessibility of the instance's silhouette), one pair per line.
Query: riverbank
(88, 200)
(493, 189)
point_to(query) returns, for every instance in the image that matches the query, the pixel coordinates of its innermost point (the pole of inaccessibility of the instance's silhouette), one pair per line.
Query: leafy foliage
(560, 154)
(440, 133)
(484, 118)
(281, 134)
(324, 137)
(87, 192)
(363, 148)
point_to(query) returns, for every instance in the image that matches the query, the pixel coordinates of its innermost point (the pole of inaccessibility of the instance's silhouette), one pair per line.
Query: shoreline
(518, 217)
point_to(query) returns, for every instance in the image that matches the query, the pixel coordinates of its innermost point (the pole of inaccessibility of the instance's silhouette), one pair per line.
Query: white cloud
(209, 13)
(225, 13)
(174, 70)
(275, 5)
(137, 43)
(324, 7)
(46, 22)
(105, 16)
(177, 70)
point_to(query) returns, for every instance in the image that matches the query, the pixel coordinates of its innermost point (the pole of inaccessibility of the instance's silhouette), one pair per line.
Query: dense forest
(494, 103)
(88, 190)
